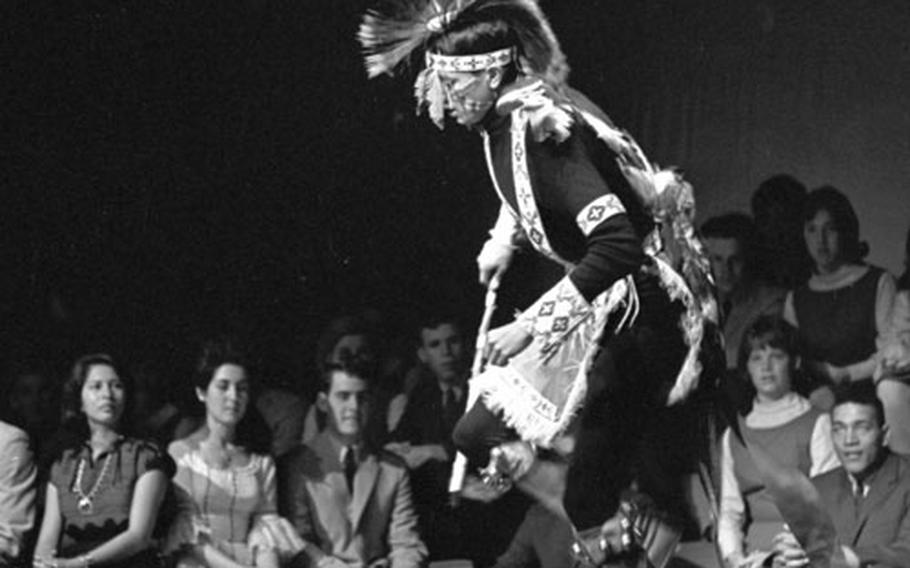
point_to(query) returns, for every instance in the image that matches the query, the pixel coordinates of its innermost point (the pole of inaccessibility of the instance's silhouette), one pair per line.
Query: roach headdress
(396, 32)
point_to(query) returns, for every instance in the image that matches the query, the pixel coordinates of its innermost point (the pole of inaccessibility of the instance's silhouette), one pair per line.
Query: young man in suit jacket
(868, 497)
(350, 503)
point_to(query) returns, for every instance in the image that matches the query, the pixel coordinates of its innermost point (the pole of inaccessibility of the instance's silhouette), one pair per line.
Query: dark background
(170, 168)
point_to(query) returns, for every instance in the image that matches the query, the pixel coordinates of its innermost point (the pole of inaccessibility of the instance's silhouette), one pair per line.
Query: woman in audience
(892, 376)
(843, 312)
(783, 423)
(31, 402)
(105, 488)
(225, 481)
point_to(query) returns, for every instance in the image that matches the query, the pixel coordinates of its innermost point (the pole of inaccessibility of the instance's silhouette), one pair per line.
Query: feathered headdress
(393, 34)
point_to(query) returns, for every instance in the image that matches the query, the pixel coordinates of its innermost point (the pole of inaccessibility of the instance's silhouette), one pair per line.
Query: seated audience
(423, 437)
(480, 527)
(843, 312)
(225, 480)
(350, 502)
(892, 376)
(31, 403)
(868, 496)
(788, 427)
(106, 488)
(741, 296)
(155, 416)
(777, 205)
(284, 412)
(17, 492)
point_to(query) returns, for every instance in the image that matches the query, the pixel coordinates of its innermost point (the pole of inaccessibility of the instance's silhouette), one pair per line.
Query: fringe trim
(691, 323)
(537, 419)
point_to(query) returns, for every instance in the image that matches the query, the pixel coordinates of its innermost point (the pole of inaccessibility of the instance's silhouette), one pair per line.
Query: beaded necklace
(86, 504)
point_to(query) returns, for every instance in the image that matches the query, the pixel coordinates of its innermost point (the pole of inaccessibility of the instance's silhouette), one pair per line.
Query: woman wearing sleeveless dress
(843, 312)
(785, 424)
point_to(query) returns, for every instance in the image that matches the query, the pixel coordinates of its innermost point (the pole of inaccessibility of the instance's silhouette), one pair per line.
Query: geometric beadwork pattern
(597, 211)
(555, 313)
(524, 195)
(470, 63)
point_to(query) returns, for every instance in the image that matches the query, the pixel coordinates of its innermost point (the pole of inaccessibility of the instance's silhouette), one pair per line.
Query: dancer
(605, 350)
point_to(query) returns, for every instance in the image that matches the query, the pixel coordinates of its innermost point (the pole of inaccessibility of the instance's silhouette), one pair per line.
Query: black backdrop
(172, 167)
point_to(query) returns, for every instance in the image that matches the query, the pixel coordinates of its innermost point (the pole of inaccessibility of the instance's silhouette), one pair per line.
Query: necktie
(350, 467)
(449, 409)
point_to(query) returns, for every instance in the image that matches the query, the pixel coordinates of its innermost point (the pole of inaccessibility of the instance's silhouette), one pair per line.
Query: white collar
(777, 412)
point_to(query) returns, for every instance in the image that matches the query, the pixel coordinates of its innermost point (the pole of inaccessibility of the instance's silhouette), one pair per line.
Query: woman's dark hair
(836, 204)
(75, 424)
(215, 353)
(766, 331)
(252, 432)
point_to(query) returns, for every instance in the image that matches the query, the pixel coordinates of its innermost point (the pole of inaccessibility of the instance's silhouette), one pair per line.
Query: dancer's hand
(505, 342)
(493, 258)
(788, 553)
(476, 490)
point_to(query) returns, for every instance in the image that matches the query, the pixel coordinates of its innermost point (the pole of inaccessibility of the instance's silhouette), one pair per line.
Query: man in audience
(868, 497)
(438, 399)
(423, 437)
(349, 502)
(346, 339)
(741, 296)
(475, 529)
(17, 492)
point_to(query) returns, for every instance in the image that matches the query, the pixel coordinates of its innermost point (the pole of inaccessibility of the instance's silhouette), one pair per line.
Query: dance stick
(460, 466)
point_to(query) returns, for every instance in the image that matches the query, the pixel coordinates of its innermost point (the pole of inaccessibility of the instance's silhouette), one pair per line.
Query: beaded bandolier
(540, 390)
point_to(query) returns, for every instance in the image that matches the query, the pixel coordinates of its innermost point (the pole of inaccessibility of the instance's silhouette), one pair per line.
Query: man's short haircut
(432, 320)
(860, 392)
(737, 226)
(352, 367)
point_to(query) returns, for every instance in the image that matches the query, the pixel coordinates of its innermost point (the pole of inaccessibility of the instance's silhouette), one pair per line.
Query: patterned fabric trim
(470, 63)
(556, 313)
(542, 388)
(597, 211)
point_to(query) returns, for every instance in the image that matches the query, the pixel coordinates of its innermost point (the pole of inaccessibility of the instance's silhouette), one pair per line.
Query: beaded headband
(469, 63)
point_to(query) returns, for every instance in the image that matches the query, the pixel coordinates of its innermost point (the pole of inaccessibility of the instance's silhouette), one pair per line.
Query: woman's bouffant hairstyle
(75, 424)
(215, 353)
(830, 199)
(766, 331)
(252, 432)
